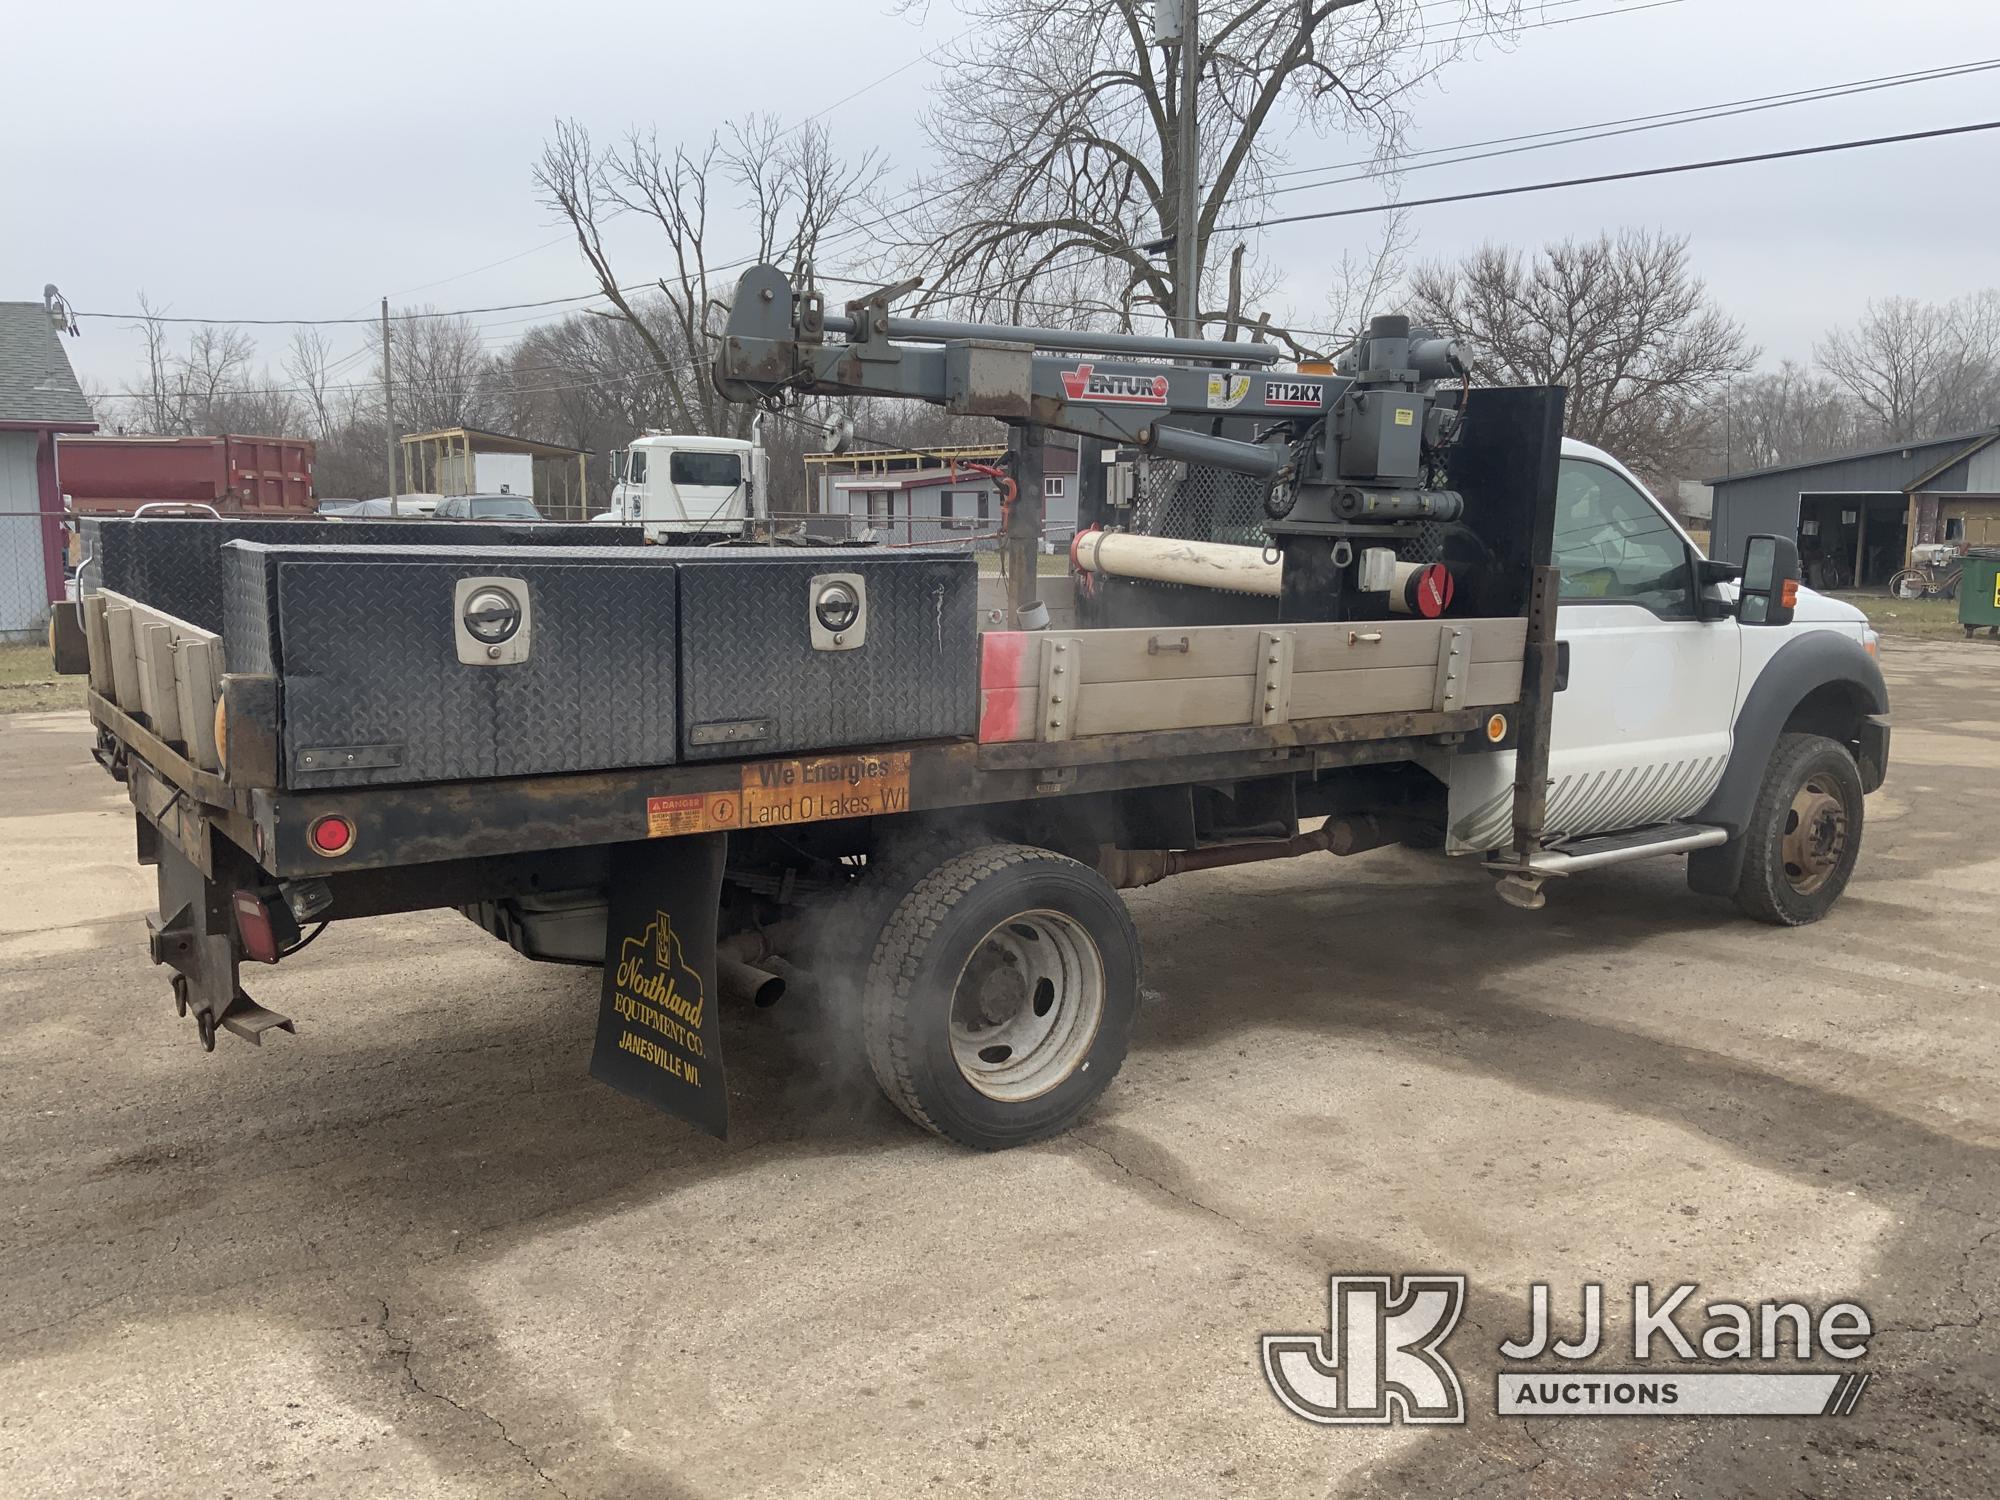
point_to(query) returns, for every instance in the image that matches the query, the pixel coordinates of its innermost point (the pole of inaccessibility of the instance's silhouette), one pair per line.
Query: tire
(1001, 995)
(1910, 583)
(1804, 833)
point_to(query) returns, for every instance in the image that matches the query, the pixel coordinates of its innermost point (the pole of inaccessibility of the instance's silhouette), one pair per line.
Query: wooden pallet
(163, 671)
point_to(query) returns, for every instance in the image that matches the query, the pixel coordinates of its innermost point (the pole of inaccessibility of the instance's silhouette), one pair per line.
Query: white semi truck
(684, 487)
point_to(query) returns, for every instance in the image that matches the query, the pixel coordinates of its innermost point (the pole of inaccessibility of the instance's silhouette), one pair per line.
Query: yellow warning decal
(1405, 417)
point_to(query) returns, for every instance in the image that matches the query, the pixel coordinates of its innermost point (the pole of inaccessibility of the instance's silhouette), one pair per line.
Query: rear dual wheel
(1001, 994)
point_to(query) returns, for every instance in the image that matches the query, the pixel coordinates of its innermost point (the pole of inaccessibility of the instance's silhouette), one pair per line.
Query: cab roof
(695, 442)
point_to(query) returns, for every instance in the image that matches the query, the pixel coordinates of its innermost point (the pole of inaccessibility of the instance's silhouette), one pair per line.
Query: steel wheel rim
(1815, 835)
(1026, 1006)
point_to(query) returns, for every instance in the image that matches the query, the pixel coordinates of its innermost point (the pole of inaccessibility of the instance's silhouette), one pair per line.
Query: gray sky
(238, 160)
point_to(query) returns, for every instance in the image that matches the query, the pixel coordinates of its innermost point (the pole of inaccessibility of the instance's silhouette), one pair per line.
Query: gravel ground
(415, 1251)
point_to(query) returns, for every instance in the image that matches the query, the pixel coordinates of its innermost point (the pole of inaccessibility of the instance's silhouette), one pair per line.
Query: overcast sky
(237, 160)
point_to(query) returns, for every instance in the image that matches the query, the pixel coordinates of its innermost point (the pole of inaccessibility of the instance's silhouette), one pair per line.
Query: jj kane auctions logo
(1382, 1360)
(1105, 387)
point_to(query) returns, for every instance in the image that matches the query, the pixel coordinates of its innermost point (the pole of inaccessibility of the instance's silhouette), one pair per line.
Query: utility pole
(1187, 242)
(389, 407)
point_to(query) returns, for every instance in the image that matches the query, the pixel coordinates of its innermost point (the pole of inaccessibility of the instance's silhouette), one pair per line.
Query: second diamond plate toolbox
(381, 683)
(757, 679)
(174, 563)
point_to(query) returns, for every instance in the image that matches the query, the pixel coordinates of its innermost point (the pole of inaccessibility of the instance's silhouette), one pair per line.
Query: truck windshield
(618, 465)
(718, 470)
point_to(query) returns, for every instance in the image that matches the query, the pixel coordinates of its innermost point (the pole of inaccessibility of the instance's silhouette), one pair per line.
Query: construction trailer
(468, 461)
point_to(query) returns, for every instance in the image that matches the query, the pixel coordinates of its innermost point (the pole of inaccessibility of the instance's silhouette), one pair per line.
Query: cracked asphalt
(414, 1251)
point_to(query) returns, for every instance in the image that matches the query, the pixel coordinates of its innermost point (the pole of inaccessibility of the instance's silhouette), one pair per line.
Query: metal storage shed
(1857, 515)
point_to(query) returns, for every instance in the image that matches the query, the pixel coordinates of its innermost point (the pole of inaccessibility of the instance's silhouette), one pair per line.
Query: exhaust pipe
(740, 981)
(737, 975)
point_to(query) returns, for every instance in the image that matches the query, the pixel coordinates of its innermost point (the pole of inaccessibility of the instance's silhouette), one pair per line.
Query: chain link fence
(1197, 503)
(28, 540)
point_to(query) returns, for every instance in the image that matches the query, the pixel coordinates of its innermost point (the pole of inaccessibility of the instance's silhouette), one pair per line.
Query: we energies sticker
(658, 1035)
(1109, 388)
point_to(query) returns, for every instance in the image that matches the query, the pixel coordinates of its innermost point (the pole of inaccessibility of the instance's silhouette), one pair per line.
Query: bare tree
(793, 185)
(159, 406)
(1785, 416)
(1365, 284)
(309, 363)
(441, 367)
(1623, 322)
(186, 391)
(1057, 136)
(1919, 369)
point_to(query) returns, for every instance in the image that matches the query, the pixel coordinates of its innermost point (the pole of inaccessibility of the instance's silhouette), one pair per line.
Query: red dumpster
(237, 475)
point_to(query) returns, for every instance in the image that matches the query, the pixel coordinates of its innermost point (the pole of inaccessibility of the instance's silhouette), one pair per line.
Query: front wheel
(1910, 583)
(1804, 833)
(1000, 996)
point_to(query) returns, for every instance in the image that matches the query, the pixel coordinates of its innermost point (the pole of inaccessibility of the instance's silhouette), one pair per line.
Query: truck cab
(1672, 705)
(683, 486)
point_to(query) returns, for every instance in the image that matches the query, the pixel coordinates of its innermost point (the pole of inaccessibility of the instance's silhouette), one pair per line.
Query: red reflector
(331, 835)
(253, 927)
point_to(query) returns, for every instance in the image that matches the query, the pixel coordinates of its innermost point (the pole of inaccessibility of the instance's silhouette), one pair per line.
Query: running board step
(1617, 848)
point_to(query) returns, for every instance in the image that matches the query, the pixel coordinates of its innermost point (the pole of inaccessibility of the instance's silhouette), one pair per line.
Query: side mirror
(1770, 581)
(1709, 603)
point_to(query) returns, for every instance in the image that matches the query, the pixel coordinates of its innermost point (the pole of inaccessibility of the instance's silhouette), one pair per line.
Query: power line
(1376, 208)
(1568, 182)
(402, 317)
(1338, 213)
(903, 204)
(1633, 125)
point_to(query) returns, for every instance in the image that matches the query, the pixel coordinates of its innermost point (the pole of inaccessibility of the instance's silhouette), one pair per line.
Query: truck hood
(1813, 607)
(1822, 609)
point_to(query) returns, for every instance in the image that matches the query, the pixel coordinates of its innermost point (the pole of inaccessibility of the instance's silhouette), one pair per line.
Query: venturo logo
(1379, 1361)
(1088, 383)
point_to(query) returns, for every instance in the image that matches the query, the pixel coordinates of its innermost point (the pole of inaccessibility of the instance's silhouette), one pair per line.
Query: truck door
(1646, 706)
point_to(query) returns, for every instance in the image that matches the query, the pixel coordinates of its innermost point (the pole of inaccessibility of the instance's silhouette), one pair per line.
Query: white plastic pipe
(1165, 559)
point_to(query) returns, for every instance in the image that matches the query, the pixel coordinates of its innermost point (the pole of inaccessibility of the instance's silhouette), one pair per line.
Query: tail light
(265, 926)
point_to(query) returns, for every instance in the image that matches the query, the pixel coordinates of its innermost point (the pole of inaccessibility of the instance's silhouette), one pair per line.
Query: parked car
(401, 505)
(487, 508)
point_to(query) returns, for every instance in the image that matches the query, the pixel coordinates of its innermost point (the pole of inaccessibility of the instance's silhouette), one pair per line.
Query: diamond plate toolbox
(753, 684)
(365, 643)
(174, 563)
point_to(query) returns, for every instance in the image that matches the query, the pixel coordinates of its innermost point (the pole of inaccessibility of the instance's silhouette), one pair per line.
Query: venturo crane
(1366, 486)
(1391, 486)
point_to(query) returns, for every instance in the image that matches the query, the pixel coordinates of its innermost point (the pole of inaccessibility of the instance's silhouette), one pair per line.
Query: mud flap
(659, 1037)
